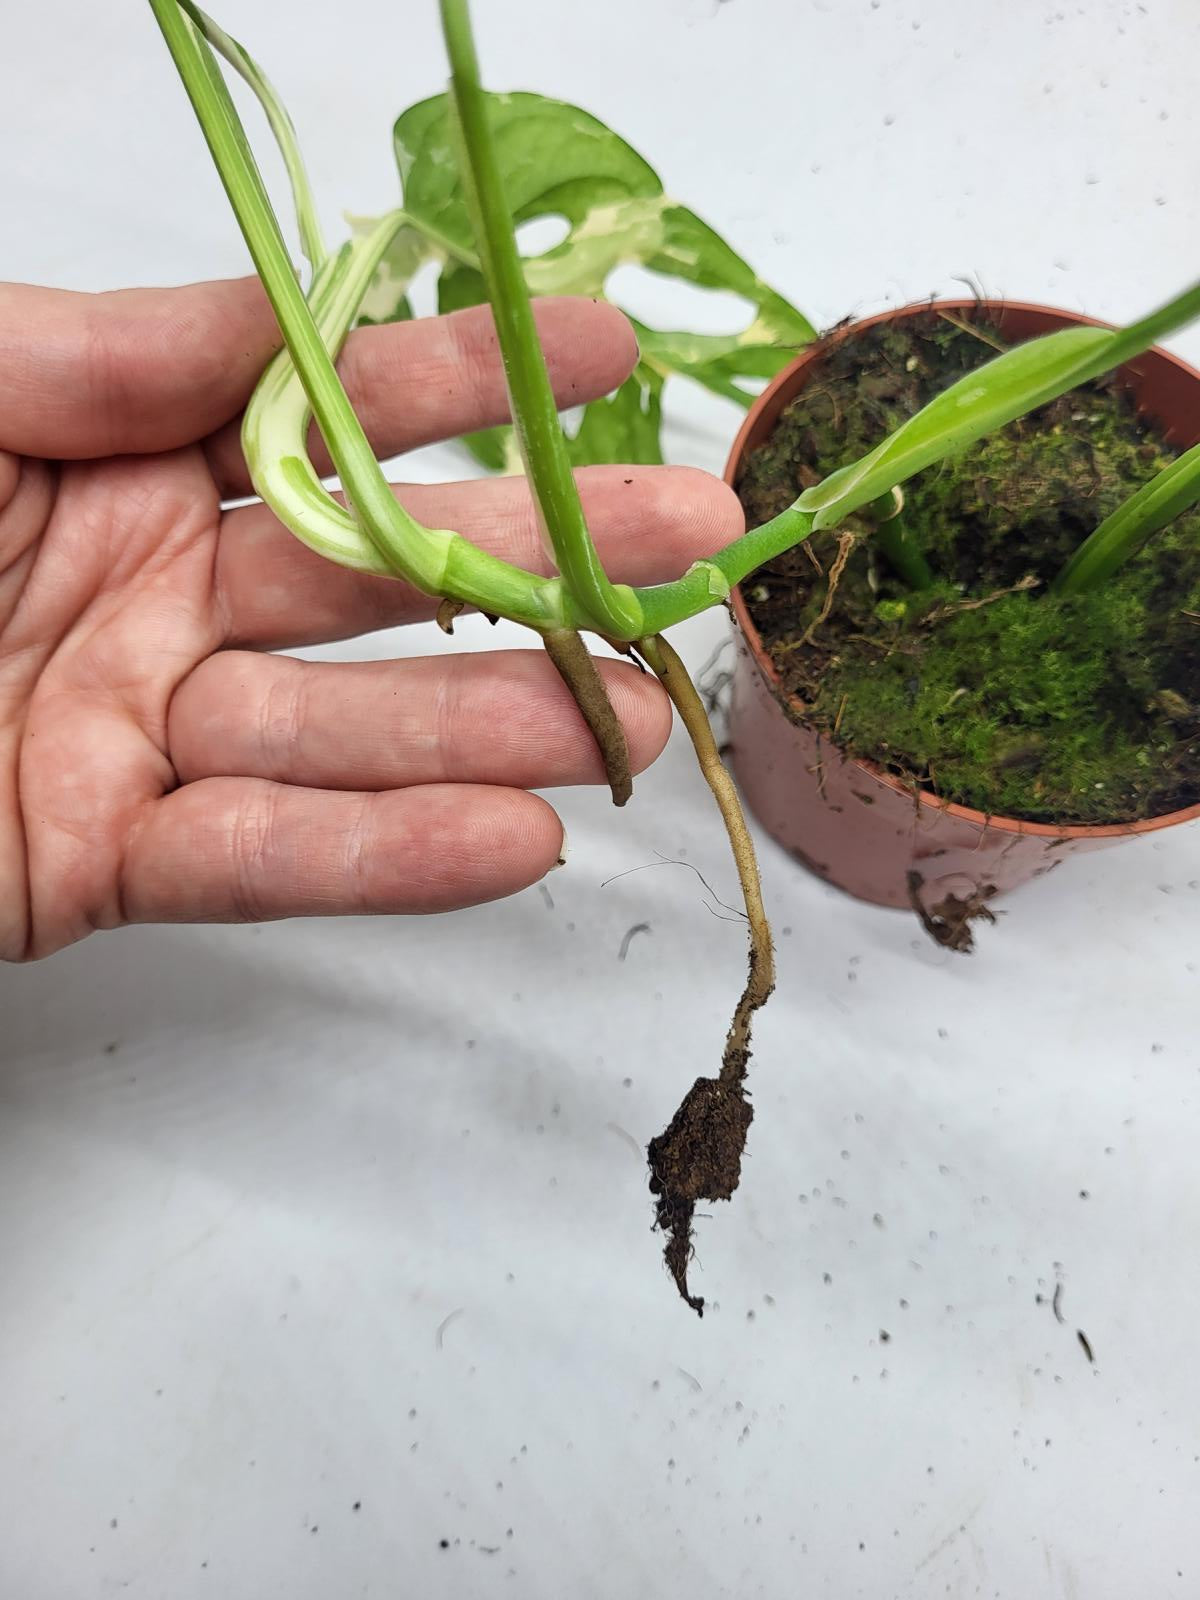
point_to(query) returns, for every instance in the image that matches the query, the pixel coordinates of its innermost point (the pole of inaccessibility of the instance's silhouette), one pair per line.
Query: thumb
(134, 370)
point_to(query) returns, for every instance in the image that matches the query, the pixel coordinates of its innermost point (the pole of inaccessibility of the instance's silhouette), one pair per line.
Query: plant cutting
(471, 164)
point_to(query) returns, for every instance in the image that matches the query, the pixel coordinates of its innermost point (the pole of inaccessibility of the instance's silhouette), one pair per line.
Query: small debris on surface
(1085, 1344)
(626, 1137)
(630, 935)
(440, 1335)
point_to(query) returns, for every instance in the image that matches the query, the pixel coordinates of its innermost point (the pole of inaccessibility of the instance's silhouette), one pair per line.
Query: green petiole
(894, 539)
(375, 508)
(1168, 495)
(535, 414)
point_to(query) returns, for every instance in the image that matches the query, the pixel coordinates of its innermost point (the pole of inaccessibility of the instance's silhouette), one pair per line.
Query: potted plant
(930, 722)
(471, 164)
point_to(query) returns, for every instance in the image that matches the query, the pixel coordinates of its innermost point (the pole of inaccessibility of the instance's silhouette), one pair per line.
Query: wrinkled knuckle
(360, 866)
(445, 718)
(103, 343)
(252, 834)
(283, 715)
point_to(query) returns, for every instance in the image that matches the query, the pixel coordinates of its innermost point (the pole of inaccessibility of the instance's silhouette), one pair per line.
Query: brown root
(577, 669)
(846, 543)
(940, 613)
(699, 1155)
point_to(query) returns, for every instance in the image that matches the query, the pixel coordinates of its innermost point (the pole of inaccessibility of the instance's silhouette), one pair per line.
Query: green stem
(535, 413)
(407, 550)
(894, 539)
(708, 582)
(1167, 495)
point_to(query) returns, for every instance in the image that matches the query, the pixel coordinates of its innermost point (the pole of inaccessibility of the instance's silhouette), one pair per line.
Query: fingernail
(563, 852)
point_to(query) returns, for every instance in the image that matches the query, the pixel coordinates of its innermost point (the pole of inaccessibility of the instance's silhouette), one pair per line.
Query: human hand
(156, 763)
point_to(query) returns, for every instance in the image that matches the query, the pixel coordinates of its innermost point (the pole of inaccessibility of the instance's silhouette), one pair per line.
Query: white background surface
(246, 1175)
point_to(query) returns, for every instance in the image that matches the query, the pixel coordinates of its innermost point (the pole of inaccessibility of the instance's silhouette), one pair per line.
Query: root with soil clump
(699, 1155)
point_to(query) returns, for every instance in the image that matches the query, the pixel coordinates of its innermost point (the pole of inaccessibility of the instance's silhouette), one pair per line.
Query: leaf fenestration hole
(670, 302)
(540, 234)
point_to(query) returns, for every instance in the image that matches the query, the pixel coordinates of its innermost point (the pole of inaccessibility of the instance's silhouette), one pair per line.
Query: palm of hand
(156, 763)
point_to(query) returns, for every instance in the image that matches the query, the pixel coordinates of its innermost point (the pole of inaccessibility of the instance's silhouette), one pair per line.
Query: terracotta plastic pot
(847, 820)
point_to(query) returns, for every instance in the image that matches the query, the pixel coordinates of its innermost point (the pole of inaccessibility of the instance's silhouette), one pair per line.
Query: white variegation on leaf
(386, 300)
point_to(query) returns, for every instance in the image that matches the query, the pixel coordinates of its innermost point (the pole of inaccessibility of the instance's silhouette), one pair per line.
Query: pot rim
(925, 797)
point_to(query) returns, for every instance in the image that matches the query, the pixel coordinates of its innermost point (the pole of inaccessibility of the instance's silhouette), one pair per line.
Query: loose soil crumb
(948, 922)
(988, 689)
